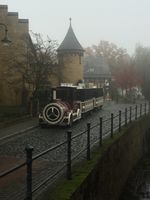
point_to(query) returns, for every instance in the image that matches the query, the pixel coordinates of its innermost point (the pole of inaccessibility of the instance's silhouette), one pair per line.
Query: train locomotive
(69, 104)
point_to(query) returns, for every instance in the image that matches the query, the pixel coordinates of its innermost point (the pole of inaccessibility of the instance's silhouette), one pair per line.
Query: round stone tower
(70, 56)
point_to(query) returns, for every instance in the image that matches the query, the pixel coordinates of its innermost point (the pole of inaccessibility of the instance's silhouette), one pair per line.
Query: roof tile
(70, 43)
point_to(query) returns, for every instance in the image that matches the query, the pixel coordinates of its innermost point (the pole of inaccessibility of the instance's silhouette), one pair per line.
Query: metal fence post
(112, 124)
(100, 131)
(69, 174)
(119, 120)
(125, 116)
(136, 112)
(29, 150)
(88, 141)
(145, 109)
(130, 114)
(149, 107)
(140, 110)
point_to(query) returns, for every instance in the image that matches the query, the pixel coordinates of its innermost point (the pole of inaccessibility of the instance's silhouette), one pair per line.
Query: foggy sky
(123, 22)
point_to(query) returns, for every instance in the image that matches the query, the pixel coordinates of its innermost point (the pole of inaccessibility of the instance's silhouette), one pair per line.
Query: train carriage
(69, 104)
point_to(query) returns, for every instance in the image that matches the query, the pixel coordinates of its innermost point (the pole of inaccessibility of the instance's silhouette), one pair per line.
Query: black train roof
(71, 94)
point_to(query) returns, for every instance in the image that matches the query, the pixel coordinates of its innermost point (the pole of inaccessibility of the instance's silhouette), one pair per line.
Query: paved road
(42, 139)
(18, 126)
(12, 152)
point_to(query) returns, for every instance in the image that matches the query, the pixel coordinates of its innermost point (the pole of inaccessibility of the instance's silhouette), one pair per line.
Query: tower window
(79, 59)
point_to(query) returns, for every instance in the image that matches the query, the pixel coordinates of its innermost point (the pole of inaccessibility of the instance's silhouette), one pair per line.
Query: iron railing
(92, 136)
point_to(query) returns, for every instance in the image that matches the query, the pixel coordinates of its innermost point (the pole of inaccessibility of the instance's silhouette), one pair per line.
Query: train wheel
(83, 116)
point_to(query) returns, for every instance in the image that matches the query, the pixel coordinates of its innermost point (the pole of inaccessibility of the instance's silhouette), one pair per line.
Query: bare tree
(142, 60)
(94, 63)
(34, 65)
(110, 53)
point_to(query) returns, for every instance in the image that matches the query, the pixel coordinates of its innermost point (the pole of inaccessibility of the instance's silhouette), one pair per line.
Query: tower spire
(70, 19)
(70, 44)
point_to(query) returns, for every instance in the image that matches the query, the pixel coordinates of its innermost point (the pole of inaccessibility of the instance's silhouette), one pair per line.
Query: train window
(66, 93)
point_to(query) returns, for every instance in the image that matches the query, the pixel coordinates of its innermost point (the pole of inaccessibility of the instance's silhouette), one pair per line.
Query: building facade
(68, 71)
(18, 29)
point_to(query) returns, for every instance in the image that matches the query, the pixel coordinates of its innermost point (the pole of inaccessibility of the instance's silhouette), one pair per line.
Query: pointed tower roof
(70, 43)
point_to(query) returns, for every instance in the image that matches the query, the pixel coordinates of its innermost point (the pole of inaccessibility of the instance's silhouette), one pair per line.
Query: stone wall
(71, 68)
(109, 176)
(17, 31)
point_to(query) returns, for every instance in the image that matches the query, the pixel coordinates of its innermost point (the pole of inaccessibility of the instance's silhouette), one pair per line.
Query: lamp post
(5, 40)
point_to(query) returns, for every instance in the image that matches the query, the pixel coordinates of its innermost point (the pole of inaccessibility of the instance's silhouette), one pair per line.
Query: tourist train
(69, 104)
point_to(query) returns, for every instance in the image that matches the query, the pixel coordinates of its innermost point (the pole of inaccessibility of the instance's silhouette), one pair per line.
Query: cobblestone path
(12, 152)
